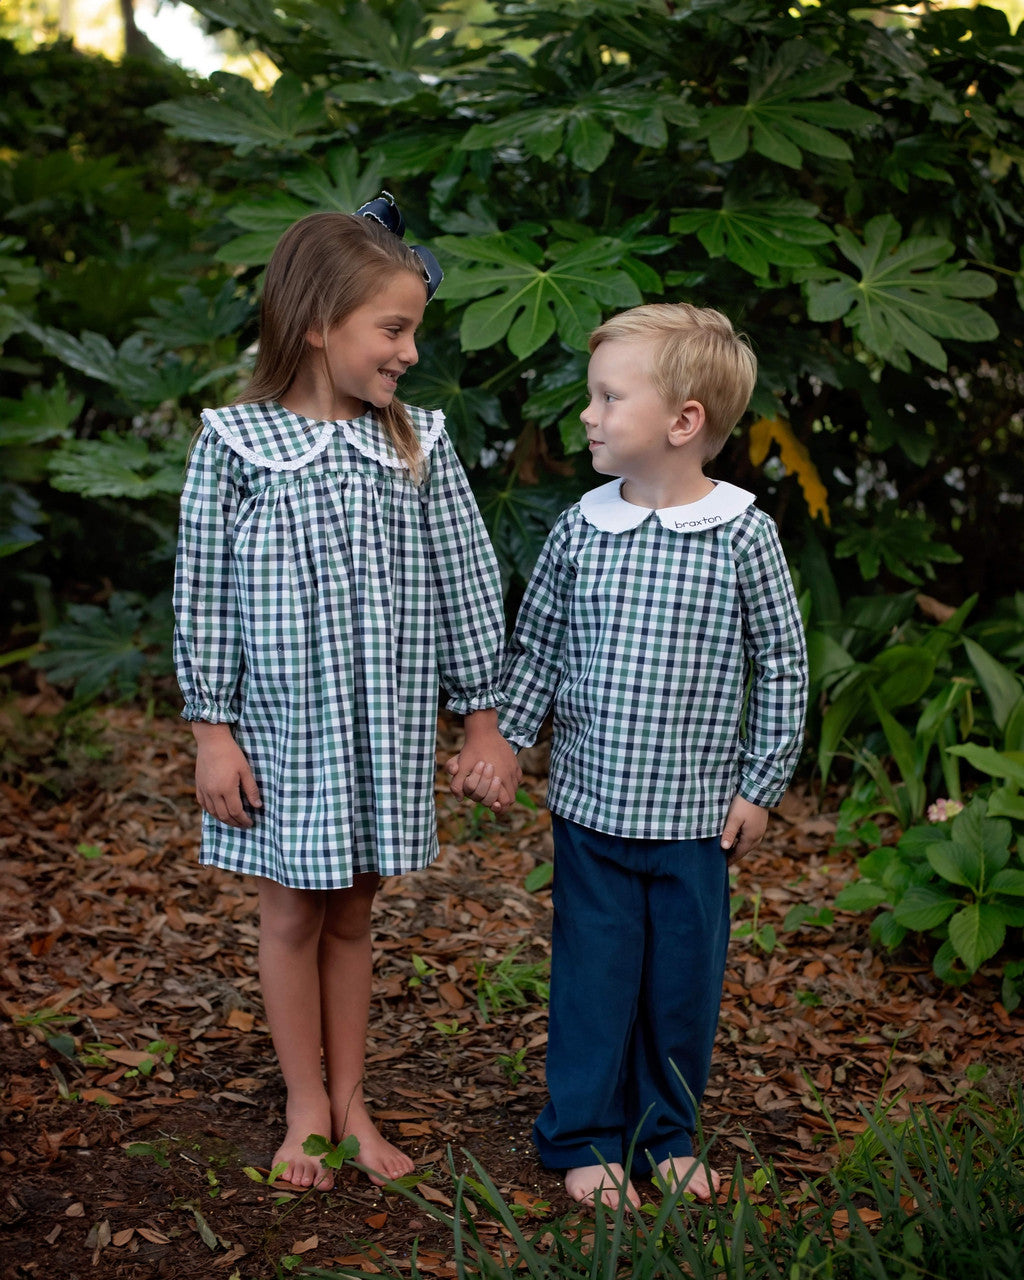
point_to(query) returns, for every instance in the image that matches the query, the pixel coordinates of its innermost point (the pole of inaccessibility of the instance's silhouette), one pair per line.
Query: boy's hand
(223, 775)
(745, 824)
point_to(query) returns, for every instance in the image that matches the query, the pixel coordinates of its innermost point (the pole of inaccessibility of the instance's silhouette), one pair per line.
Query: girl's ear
(314, 338)
(688, 424)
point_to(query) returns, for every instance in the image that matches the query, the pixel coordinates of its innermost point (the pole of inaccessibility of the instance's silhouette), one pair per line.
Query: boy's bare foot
(303, 1170)
(592, 1182)
(691, 1174)
(375, 1152)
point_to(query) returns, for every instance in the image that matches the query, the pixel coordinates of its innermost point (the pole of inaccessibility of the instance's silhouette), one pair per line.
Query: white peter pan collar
(606, 509)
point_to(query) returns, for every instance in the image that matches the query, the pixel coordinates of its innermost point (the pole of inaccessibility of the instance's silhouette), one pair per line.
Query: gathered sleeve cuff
(777, 653)
(470, 632)
(534, 659)
(207, 637)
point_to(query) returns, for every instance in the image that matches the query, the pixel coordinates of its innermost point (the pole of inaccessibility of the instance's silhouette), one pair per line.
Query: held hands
(745, 824)
(486, 769)
(223, 775)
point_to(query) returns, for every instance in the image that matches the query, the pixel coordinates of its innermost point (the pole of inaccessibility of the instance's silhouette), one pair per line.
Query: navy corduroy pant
(639, 941)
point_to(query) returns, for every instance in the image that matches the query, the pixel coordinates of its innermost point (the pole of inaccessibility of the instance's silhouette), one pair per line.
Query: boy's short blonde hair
(697, 356)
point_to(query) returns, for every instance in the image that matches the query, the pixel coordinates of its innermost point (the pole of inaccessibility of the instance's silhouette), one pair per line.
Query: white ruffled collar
(606, 509)
(267, 434)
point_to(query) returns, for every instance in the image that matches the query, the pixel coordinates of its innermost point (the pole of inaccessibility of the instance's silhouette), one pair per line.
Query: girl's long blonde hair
(323, 268)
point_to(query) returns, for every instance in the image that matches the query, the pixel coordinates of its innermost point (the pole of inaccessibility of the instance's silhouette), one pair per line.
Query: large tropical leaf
(907, 297)
(779, 120)
(193, 319)
(757, 233)
(100, 648)
(117, 466)
(42, 413)
(519, 518)
(438, 382)
(586, 126)
(139, 370)
(338, 184)
(523, 298)
(286, 119)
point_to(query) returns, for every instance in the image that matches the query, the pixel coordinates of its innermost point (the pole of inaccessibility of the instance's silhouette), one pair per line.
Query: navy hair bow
(383, 209)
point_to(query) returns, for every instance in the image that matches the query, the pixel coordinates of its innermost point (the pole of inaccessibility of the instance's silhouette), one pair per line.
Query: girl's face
(370, 350)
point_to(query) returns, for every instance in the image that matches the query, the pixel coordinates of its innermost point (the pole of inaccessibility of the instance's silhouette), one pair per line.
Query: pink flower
(943, 810)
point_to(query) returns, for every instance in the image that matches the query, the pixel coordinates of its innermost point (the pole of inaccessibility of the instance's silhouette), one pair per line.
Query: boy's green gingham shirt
(640, 629)
(320, 596)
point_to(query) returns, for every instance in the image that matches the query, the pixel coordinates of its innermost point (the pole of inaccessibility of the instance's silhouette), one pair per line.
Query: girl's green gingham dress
(321, 597)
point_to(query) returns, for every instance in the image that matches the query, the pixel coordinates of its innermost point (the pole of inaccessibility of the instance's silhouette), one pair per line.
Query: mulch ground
(140, 1094)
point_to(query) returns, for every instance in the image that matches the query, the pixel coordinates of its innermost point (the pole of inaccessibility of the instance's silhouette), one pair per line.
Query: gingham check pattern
(642, 641)
(320, 597)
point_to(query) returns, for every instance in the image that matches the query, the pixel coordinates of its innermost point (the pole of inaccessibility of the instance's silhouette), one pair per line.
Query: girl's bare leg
(291, 921)
(346, 981)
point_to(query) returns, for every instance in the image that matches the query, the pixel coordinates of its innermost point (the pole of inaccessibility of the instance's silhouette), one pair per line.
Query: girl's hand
(486, 769)
(745, 824)
(223, 775)
(480, 784)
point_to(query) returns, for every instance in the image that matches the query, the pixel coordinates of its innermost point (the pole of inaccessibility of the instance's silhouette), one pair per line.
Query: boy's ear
(688, 424)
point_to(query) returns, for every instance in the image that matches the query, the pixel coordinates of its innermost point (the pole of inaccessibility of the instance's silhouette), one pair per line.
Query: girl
(332, 567)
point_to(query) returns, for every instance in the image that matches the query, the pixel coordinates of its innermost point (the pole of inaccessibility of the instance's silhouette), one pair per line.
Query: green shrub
(844, 181)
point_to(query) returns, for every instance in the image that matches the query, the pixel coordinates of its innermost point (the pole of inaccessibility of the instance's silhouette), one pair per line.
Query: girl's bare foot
(592, 1182)
(375, 1152)
(690, 1174)
(303, 1170)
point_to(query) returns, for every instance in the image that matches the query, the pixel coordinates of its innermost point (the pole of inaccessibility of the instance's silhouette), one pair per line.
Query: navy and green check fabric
(321, 598)
(643, 641)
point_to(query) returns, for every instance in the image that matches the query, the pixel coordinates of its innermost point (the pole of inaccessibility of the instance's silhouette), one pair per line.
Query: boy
(660, 624)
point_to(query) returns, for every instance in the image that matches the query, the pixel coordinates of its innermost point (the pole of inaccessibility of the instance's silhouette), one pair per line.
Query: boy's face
(627, 420)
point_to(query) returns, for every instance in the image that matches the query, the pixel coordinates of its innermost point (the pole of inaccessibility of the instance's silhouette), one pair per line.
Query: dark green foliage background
(844, 182)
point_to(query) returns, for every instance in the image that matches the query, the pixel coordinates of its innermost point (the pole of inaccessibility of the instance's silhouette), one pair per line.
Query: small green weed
(421, 972)
(762, 935)
(512, 1065)
(511, 982)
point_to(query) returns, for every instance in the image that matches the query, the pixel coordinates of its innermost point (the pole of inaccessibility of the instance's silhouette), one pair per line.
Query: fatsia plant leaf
(438, 382)
(780, 120)
(97, 648)
(519, 518)
(193, 319)
(116, 466)
(338, 184)
(139, 370)
(907, 296)
(586, 126)
(757, 233)
(523, 298)
(42, 413)
(286, 119)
